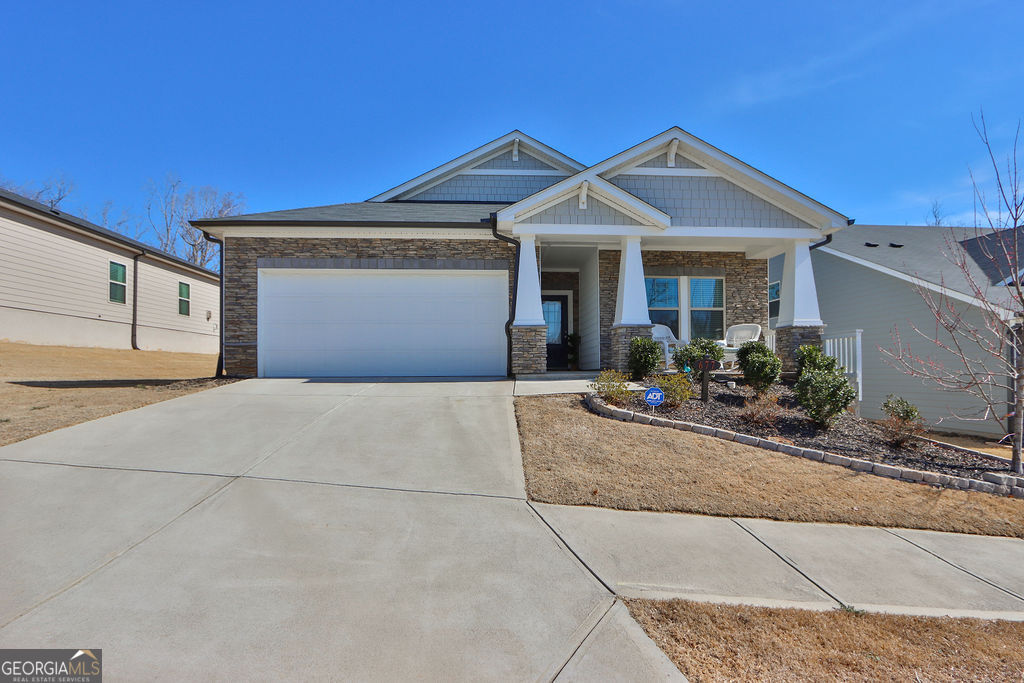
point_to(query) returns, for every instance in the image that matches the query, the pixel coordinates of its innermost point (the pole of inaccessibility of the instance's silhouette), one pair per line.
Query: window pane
(117, 293)
(117, 272)
(183, 306)
(183, 290)
(706, 292)
(553, 319)
(773, 291)
(773, 309)
(669, 319)
(706, 325)
(663, 292)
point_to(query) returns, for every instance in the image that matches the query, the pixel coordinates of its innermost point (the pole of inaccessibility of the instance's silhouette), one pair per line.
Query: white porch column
(631, 299)
(528, 305)
(798, 305)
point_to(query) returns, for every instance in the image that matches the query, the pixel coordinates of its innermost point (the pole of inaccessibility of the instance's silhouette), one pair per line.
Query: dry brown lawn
(977, 443)
(738, 643)
(43, 388)
(573, 457)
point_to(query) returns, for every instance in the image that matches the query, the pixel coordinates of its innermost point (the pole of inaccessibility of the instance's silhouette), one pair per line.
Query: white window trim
(778, 298)
(111, 281)
(188, 299)
(565, 293)
(683, 297)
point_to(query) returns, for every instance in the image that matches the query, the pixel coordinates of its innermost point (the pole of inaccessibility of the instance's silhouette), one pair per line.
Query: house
(868, 278)
(484, 265)
(67, 282)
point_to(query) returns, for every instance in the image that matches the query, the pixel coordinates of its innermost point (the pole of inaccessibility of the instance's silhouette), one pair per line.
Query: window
(118, 278)
(701, 313)
(184, 304)
(774, 290)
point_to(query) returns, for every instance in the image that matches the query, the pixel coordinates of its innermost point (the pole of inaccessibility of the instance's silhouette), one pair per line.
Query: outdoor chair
(663, 335)
(736, 336)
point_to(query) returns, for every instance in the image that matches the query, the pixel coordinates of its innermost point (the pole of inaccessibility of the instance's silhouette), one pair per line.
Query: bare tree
(51, 192)
(171, 206)
(988, 356)
(937, 215)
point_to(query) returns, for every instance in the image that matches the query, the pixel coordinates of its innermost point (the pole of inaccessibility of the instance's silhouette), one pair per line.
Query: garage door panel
(368, 323)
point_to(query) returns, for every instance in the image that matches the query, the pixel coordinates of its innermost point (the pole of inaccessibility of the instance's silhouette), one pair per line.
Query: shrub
(904, 420)
(748, 349)
(644, 357)
(811, 357)
(611, 386)
(762, 410)
(572, 341)
(687, 356)
(762, 370)
(823, 394)
(678, 388)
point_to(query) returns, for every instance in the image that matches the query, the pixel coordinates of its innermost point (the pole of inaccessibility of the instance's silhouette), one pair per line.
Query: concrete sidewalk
(789, 564)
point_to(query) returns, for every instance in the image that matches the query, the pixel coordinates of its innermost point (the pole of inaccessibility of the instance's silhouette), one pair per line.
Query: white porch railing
(769, 339)
(846, 348)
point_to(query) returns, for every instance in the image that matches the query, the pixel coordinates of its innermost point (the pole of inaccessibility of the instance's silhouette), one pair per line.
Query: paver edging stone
(997, 484)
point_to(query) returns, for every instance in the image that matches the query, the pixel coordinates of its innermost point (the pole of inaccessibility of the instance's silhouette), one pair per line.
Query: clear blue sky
(864, 106)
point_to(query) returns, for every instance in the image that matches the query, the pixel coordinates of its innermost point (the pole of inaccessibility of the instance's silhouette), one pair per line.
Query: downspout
(828, 237)
(135, 300)
(220, 357)
(515, 279)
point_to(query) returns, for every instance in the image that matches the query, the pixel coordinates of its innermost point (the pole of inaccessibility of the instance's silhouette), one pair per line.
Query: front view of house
(494, 262)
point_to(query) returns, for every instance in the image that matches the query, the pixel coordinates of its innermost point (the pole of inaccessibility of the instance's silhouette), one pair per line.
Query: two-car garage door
(363, 323)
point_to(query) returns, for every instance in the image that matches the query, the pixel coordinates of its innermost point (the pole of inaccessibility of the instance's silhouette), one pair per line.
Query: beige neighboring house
(67, 282)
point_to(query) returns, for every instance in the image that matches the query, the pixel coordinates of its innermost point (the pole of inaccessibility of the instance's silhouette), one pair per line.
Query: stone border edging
(998, 484)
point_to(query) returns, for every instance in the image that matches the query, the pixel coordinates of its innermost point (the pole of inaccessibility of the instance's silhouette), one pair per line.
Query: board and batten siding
(54, 290)
(851, 296)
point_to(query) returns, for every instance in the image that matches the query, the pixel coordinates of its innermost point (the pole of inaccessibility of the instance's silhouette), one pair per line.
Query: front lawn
(573, 457)
(739, 643)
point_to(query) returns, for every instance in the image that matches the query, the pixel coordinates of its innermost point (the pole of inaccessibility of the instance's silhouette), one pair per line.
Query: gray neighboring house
(867, 278)
(67, 282)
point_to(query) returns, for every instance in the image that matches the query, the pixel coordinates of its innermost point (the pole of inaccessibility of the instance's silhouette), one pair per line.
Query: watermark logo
(51, 666)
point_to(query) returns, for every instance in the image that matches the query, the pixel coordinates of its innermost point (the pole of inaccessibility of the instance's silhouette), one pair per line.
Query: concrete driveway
(314, 528)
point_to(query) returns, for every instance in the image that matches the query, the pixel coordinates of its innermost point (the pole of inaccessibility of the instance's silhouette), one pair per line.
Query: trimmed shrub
(686, 357)
(678, 388)
(811, 357)
(904, 421)
(748, 349)
(823, 394)
(611, 386)
(762, 370)
(644, 357)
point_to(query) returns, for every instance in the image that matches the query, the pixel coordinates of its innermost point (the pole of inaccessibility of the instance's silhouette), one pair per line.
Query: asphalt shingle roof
(422, 214)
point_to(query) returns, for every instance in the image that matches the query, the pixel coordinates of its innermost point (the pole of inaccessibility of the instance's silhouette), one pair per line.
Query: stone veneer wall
(240, 271)
(622, 335)
(746, 285)
(529, 349)
(789, 339)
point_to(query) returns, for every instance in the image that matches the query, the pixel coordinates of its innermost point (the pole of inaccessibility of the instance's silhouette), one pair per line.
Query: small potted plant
(572, 341)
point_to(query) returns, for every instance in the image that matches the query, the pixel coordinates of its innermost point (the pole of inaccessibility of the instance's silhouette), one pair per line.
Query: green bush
(823, 394)
(900, 408)
(904, 421)
(611, 386)
(748, 349)
(645, 356)
(678, 388)
(761, 370)
(687, 356)
(811, 357)
(572, 341)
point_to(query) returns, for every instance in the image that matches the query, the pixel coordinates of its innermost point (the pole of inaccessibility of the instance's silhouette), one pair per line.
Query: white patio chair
(736, 336)
(663, 335)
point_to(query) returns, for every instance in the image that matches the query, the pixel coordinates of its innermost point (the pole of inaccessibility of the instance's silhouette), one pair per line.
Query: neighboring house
(67, 282)
(868, 279)
(485, 264)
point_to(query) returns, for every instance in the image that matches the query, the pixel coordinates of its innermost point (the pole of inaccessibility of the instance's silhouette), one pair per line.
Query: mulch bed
(851, 436)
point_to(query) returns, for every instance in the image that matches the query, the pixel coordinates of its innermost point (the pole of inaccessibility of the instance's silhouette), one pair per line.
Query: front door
(556, 317)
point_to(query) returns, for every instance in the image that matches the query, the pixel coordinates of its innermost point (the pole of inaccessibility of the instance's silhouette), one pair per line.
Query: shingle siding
(569, 211)
(487, 188)
(526, 162)
(700, 201)
(661, 161)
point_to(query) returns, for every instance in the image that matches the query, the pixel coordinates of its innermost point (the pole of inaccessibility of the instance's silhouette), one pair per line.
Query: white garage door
(365, 323)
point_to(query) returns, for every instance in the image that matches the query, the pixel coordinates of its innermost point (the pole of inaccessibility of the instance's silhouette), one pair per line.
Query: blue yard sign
(654, 396)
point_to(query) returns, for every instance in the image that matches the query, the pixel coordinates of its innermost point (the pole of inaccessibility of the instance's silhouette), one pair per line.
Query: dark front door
(556, 317)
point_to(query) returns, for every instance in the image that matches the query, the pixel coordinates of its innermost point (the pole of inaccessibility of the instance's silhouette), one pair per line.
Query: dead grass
(738, 643)
(43, 388)
(977, 443)
(573, 457)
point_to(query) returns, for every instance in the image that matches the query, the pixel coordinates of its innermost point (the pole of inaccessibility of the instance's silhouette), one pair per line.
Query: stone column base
(789, 339)
(240, 360)
(622, 335)
(529, 349)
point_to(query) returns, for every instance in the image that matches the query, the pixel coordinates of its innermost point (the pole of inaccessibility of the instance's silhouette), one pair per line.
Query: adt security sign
(654, 396)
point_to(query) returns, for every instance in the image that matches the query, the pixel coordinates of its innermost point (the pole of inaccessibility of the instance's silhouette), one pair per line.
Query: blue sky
(864, 106)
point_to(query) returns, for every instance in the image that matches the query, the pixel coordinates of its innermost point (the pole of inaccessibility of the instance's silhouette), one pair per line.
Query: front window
(699, 312)
(118, 278)
(774, 291)
(184, 298)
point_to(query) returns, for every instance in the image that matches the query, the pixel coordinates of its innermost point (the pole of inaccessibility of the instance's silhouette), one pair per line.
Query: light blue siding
(569, 211)
(526, 162)
(487, 188)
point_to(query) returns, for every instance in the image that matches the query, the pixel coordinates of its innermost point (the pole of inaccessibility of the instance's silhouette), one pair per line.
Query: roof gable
(512, 154)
